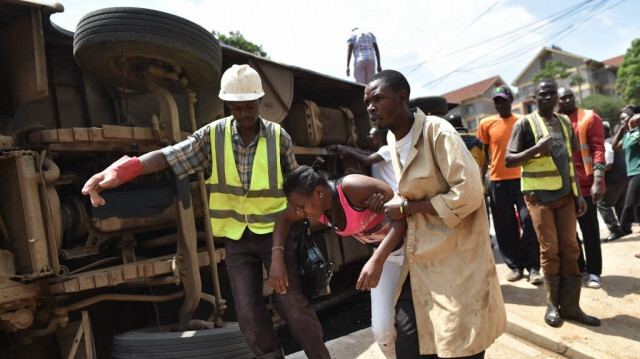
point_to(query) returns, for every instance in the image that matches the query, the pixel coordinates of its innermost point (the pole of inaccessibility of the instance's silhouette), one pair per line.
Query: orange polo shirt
(495, 132)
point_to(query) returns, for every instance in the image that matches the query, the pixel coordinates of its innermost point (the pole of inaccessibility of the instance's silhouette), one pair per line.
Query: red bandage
(126, 168)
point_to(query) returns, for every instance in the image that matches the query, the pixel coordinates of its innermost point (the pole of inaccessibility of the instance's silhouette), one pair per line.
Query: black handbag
(315, 270)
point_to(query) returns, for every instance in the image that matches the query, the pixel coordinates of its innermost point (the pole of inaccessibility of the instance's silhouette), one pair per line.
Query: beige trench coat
(456, 292)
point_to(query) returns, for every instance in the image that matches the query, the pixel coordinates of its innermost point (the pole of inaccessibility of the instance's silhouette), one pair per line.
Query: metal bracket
(84, 329)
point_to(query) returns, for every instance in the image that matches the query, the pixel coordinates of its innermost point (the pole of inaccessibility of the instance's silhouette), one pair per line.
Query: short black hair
(547, 80)
(544, 81)
(304, 180)
(607, 129)
(394, 79)
(455, 120)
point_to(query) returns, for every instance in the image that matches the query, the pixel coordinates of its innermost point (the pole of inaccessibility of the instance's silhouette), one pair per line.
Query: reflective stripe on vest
(585, 117)
(232, 209)
(541, 173)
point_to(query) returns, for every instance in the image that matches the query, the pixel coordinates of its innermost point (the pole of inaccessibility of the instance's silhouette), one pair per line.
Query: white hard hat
(240, 83)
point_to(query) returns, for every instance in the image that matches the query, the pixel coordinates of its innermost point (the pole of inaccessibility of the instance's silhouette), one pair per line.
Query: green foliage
(553, 70)
(628, 83)
(237, 40)
(577, 80)
(607, 107)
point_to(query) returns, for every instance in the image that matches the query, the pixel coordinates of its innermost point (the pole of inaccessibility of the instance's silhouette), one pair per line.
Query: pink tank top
(363, 224)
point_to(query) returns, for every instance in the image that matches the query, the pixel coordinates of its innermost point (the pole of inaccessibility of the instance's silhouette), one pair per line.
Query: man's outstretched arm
(122, 171)
(364, 158)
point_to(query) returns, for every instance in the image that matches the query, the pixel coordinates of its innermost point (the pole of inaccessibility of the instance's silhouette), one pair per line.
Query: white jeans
(382, 301)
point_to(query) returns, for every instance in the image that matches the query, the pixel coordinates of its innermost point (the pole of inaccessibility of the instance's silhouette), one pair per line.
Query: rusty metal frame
(219, 303)
(84, 329)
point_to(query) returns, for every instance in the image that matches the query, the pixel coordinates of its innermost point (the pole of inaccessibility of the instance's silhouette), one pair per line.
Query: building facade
(475, 101)
(599, 77)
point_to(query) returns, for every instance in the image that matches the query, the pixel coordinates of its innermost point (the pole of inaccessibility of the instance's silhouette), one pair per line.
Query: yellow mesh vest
(541, 173)
(231, 208)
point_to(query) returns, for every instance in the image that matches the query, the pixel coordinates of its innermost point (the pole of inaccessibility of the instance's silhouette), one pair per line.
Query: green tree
(607, 107)
(628, 83)
(237, 40)
(577, 80)
(553, 70)
(559, 70)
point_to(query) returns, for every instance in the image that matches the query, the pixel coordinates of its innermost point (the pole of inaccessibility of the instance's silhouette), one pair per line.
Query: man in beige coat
(448, 303)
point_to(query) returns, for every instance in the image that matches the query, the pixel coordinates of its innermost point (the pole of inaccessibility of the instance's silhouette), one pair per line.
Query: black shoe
(617, 233)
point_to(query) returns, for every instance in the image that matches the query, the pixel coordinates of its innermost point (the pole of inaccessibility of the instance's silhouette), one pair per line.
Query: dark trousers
(611, 205)
(517, 252)
(407, 346)
(244, 261)
(591, 238)
(631, 211)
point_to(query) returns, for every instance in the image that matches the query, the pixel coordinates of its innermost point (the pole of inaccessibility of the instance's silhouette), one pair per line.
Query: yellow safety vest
(541, 173)
(232, 208)
(585, 117)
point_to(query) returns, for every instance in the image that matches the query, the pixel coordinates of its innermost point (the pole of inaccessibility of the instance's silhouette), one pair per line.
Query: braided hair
(305, 179)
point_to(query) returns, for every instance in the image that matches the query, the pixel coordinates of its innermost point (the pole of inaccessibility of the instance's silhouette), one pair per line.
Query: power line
(565, 16)
(561, 33)
(556, 36)
(512, 34)
(459, 33)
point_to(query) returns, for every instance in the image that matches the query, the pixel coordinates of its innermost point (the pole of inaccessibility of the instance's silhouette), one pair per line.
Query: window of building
(468, 109)
(472, 125)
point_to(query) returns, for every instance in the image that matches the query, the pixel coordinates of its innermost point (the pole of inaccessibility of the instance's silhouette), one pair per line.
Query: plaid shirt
(194, 153)
(362, 42)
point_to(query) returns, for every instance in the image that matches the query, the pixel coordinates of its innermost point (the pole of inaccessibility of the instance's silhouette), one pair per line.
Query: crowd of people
(435, 289)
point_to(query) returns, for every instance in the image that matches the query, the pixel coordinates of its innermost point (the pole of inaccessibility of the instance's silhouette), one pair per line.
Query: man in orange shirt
(519, 252)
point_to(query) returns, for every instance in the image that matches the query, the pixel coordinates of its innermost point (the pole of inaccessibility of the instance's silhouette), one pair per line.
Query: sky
(439, 46)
